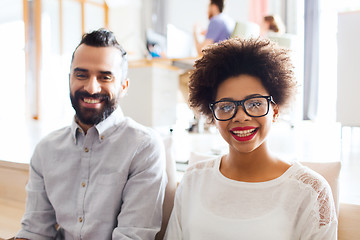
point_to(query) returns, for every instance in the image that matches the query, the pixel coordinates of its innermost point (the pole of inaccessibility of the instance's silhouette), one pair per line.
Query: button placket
(86, 155)
(83, 184)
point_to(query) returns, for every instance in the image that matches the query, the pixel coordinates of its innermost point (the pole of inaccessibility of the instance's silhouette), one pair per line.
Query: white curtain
(159, 16)
(311, 59)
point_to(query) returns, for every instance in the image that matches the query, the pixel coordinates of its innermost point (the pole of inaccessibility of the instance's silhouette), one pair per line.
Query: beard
(92, 116)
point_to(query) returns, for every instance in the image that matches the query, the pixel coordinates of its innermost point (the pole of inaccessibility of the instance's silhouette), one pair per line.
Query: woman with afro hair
(241, 86)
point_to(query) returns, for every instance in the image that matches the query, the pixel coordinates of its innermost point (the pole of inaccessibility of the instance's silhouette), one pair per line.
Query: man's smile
(91, 100)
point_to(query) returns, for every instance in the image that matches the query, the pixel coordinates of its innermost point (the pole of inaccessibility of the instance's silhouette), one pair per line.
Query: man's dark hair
(260, 58)
(104, 38)
(218, 3)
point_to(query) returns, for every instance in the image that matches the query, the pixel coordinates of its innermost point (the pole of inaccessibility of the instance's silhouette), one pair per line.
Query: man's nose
(92, 86)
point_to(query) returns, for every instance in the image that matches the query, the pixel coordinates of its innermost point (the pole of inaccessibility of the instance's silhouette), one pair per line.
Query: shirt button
(83, 184)
(86, 149)
(80, 219)
(102, 137)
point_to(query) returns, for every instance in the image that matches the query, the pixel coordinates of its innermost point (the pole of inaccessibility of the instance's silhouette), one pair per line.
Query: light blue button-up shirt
(107, 184)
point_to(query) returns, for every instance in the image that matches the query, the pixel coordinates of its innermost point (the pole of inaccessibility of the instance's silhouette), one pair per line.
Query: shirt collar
(114, 119)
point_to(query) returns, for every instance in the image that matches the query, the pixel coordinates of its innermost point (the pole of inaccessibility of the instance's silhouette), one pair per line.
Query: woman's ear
(276, 113)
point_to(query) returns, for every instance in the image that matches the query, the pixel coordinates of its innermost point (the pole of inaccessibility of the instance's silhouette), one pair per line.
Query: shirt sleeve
(39, 219)
(214, 30)
(322, 221)
(141, 212)
(174, 228)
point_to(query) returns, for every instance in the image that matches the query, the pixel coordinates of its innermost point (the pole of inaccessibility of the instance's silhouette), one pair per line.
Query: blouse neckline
(272, 182)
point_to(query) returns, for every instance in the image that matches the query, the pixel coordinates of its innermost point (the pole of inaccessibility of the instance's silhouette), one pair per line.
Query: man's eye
(106, 78)
(80, 76)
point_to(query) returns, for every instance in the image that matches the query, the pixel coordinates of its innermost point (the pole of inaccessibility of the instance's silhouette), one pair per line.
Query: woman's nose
(241, 115)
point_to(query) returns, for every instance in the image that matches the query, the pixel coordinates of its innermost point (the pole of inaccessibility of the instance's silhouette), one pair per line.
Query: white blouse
(296, 205)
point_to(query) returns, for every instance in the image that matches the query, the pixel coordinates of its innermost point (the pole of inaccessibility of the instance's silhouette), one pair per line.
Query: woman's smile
(243, 133)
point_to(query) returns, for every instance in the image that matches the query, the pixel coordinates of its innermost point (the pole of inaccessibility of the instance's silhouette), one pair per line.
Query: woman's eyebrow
(253, 95)
(226, 99)
(248, 96)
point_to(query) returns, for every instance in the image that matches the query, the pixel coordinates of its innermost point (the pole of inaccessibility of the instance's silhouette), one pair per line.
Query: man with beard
(220, 26)
(102, 177)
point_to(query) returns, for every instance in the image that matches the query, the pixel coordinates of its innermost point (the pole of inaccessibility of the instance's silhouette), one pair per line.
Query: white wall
(10, 11)
(348, 112)
(127, 22)
(184, 14)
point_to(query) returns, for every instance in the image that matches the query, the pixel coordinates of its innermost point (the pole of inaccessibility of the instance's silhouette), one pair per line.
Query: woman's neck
(258, 165)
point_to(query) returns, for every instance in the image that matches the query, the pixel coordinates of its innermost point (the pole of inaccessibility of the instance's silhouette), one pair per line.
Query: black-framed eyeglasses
(257, 106)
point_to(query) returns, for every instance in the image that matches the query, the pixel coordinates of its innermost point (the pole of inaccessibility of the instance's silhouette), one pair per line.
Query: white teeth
(90, 100)
(244, 133)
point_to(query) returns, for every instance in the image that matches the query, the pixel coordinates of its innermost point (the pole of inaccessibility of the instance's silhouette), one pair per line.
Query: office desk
(184, 63)
(152, 94)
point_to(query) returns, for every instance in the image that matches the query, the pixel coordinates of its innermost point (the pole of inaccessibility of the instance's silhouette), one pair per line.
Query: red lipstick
(243, 133)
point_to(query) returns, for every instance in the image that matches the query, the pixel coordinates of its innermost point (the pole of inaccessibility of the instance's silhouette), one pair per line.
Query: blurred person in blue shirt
(220, 26)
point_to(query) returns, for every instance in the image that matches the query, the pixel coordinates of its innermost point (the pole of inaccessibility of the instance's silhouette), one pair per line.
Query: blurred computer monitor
(155, 43)
(180, 44)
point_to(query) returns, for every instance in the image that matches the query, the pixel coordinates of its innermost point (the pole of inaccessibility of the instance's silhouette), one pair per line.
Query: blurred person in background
(220, 26)
(272, 25)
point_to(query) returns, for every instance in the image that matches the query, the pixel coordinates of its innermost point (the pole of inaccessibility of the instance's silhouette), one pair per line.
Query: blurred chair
(170, 187)
(286, 40)
(246, 30)
(349, 222)
(13, 179)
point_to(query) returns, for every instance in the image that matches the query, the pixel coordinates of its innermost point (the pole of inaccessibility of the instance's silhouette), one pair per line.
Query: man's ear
(124, 87)
(276, 112)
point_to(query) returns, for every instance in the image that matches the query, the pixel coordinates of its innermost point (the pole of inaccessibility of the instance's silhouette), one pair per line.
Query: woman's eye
(226, 108)
(254, 105)
(257, 104)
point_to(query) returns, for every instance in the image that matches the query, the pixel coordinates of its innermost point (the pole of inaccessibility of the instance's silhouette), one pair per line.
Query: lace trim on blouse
(324, 212)
(202, 165)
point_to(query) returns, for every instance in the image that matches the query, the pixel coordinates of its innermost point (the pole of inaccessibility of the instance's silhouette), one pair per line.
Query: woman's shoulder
(308, 178)
(324, 208)
(197, 173)
(202, 164)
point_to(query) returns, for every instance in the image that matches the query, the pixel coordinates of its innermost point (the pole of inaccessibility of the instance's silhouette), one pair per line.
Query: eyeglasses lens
(254, 107)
